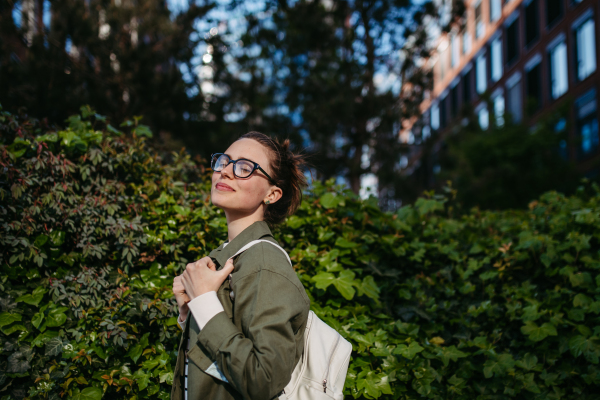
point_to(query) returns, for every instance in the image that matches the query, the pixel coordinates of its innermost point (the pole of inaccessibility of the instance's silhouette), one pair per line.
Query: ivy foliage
(439, 305)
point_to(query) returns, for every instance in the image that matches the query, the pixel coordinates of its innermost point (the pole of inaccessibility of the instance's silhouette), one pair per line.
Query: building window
(514, 97)
(495, 9)
(559, 77)
(455, 50)
(532, 28)
(585, 44)
(479, 26)
(481, 74)
(554, 10)
(587, 123)
(466, 42)
(533, 82)
(454, 104)
(512, 41)
(484, 117)
(435, 117)
(466, 87)
(498, 102)
(443, 112)
(496, 59)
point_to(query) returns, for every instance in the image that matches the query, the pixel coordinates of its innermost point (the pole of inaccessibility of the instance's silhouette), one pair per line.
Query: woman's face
(242, 195)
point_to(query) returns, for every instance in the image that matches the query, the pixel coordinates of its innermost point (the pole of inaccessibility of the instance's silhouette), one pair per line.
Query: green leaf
(150, 364)
(329, 200)
(498, 366)
(7, 318)
(135, 352)
(34, 298)
(13, 328)
(346, 244)
(40, 240)
(89, 393)
(113, 130)
(142, 379)
(343, 283)
(408, 351)
(581, 300)
(450, 353)
(426, 206)
(528, 362)
(369, 288)
(55, 319)
(374, 384)
(143, 130)
(536, 333)
(54, 346)
(581, 345)
(295, 222)
(37, 319)
(57, 238)
(43, 338)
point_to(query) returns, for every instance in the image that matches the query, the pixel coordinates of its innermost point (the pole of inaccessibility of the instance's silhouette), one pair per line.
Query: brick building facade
(519, 60)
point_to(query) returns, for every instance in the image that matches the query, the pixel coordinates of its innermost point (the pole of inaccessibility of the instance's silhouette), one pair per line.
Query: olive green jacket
(258, 340)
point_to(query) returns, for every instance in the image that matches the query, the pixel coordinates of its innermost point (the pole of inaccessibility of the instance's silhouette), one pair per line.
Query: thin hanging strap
(252, 243)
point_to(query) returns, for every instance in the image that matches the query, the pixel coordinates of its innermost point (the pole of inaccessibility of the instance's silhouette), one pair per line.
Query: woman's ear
(273, 196)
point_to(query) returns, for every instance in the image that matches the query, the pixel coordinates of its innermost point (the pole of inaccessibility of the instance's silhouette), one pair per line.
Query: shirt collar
(257, 230)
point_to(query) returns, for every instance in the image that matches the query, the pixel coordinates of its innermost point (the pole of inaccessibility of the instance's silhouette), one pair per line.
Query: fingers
(227, 269)
(211, 264)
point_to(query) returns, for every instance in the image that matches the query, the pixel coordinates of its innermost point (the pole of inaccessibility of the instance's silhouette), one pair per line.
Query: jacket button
(231, 294)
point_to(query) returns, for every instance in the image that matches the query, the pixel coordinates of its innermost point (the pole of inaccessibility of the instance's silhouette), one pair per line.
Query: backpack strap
(252, 243)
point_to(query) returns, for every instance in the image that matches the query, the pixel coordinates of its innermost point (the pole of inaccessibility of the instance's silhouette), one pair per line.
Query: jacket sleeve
(259, 361)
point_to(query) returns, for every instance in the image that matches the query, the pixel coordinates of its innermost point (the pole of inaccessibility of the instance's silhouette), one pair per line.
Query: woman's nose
(228, 171)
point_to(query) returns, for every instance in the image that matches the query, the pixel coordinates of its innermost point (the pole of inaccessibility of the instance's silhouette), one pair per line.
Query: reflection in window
(455, 50)
(481, 74)
(496, 59)
(515, 105)
(586, 49)
(558, 70)
(495, 9)
(587, 123)
(435, 117)
(484, 118)
(499, 110)
(466, 42)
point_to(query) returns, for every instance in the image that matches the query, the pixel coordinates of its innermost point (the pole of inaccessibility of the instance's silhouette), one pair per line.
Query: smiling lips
(224, 187)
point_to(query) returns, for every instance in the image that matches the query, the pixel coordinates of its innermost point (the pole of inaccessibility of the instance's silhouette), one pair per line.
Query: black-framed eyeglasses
(242, 168)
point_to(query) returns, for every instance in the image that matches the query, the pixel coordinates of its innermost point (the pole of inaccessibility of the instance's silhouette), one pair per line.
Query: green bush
(95, 223)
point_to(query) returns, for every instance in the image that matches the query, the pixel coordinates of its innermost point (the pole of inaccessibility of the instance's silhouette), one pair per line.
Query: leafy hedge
(95, 223)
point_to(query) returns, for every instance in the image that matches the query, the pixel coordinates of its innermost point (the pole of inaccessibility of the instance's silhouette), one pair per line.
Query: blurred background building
(516, 61)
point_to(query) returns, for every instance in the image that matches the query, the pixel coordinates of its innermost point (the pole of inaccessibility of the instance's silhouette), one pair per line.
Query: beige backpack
(321, 372)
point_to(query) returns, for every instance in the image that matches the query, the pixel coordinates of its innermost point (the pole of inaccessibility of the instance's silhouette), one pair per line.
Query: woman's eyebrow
(241, 158)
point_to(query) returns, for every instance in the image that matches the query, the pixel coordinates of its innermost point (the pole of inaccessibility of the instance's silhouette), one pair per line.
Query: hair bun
(286, 171)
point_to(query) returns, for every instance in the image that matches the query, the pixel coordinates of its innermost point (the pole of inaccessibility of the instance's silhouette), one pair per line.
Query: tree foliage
(125, 57)
(437, 305)
(506, 166)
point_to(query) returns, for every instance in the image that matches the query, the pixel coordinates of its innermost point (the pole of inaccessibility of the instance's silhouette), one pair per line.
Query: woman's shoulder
(264, 256)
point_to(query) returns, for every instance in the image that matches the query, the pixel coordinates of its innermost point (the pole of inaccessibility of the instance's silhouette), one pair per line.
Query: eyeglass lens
(241, 168)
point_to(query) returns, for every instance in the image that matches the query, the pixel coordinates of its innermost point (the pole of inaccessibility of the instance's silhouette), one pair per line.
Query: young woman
(243, 319)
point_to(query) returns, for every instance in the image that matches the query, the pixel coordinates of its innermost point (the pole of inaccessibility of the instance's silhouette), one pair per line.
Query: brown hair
(287, 174)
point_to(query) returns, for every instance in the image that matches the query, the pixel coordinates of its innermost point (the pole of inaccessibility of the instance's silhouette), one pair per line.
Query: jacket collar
(257, 230)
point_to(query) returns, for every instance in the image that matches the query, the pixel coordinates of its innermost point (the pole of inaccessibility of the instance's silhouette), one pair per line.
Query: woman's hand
(202, 277)
(181, 297)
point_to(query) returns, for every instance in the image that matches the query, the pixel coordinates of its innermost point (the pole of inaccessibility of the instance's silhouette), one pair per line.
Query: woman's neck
(237, 223)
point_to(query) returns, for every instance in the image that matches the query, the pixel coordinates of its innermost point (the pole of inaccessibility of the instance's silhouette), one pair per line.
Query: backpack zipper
(329, 365)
